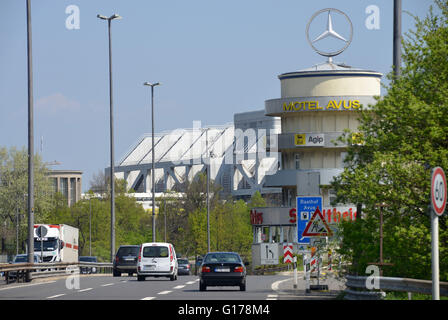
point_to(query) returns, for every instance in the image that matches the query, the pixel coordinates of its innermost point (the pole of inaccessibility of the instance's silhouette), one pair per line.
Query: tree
(403, 136)
(14, 190)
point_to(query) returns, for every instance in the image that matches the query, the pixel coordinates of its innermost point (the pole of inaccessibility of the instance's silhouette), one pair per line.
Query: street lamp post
(112, 180)
(152, 85)
(30, 141)
(208, 190)
(397, 38)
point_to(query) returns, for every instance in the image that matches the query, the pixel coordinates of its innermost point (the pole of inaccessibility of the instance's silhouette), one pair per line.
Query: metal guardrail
(357, 290)
(28, 271)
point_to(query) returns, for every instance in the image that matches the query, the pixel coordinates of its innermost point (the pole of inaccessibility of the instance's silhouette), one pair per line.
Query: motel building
(315, 106)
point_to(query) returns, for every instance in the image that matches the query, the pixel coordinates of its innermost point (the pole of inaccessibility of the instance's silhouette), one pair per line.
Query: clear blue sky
(213, 58)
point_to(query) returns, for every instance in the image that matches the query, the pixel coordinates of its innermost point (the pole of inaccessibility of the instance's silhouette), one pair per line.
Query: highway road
(106, 287)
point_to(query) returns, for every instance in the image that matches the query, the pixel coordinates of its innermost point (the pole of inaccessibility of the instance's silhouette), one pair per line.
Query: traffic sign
(317, 226)
(438, 191)
(269, 253)
(305, 207)
(41, 231)
(287, 253)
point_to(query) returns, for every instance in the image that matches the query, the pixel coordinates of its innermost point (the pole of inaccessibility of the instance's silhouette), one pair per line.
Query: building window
(297, 160)
(332, 197)
(72, 191)
(64, 187)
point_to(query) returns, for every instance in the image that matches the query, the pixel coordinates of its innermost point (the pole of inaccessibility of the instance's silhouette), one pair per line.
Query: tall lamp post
(208, 190)
(112, 180)
(152, 85)
(397, 38)
(30, 141)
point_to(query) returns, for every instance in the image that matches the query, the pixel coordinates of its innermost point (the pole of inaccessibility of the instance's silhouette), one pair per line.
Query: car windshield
(20, 259)
(222, 257)
(49, 245)
(87, 259)
(128, 251)
(24, 258)
(182, 261)
(155, 252)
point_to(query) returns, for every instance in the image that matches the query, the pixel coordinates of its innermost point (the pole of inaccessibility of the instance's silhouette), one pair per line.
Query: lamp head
(151, 84)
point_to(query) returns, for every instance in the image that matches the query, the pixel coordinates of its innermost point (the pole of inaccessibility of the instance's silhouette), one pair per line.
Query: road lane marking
(26, 285)
(165, 292)
(275, 285)
(149, 298)
(190, 282)
(272, 297)
(179, 287)
(88, 289)
(107, 284)
(56, 296)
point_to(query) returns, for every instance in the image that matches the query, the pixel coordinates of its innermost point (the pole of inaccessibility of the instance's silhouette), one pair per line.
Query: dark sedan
(88, 259)
(184, 267)
(222, 269)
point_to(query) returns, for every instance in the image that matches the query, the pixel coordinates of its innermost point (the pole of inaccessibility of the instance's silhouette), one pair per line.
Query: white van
(157, 259)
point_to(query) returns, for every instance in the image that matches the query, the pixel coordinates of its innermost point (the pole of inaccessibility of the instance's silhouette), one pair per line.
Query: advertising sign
(309, 139)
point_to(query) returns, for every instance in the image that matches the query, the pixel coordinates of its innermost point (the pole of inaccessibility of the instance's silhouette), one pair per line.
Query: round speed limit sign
(438, 191)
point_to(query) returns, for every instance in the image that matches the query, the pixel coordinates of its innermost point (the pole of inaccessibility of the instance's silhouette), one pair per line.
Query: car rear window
(182, 261)
(128, 251)
(222, 257)
(155, 252)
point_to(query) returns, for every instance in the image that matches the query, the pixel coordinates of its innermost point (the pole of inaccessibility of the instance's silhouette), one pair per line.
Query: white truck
(56, 242)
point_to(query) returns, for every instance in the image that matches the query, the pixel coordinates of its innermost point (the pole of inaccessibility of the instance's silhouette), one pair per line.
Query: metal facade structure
(240, 155)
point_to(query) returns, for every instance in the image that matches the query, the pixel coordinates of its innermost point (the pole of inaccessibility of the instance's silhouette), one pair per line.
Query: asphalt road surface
(106, 287)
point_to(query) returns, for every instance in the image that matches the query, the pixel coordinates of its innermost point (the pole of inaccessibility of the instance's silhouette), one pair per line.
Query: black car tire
(116, 273)
(243, 286)
(202, 286)
(140, 278)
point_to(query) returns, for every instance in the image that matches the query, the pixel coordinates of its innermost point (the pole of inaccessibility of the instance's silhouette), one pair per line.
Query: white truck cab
(157, 259)
(56, 242)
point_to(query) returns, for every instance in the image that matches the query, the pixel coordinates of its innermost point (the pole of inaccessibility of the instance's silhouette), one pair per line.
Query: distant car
(222, 269)
(22, 258)
(126, 260)
(198, 264)
(184, 267)
(88, 269)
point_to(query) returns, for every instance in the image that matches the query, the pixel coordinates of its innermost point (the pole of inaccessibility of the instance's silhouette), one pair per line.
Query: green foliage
(14, 194)
(404, 135)
(132, 223)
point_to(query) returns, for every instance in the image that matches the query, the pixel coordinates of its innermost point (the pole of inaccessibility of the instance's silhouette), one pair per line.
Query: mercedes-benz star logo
(329, 32)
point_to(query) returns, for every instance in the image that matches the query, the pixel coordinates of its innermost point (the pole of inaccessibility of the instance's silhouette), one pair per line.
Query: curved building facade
(315, 107)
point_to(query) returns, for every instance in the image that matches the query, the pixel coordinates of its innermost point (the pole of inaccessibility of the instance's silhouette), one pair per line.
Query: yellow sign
(300, 139)
(314, 105)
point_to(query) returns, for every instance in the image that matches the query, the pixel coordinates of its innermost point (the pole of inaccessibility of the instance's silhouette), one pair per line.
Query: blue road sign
(305, 206)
